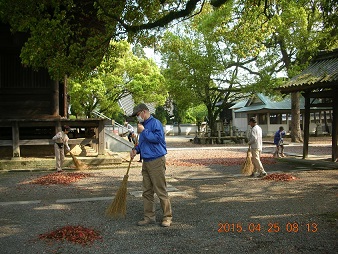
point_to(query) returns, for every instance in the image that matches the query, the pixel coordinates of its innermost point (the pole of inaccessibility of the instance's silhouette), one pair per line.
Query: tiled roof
(265, 103)
(127, 104)
(322, 72)
(239, 104)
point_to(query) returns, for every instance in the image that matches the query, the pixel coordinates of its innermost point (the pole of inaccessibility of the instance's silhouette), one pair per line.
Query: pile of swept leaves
(279, 177)
(59, 178)
(74, 234)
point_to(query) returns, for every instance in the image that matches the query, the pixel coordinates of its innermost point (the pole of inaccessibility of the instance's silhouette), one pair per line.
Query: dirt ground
(215, 208)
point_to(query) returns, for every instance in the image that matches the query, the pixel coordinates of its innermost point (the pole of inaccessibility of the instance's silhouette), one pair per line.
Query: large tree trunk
(296, 132)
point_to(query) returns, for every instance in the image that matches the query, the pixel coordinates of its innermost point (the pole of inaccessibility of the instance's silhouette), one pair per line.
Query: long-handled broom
(119, 205)
(79, 165)
(247, 167)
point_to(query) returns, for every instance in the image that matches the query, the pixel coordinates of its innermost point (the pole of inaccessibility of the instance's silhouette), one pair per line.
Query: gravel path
(216, 210)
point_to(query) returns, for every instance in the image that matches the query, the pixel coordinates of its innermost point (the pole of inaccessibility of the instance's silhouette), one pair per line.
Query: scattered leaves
(59, 178)
(279, 177)
(211, 157)
(74, 234)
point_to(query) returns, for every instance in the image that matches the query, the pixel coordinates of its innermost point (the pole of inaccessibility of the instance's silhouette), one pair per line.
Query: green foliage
(201, 66)
(240, 44)
(161, 114)
(117, 76)
(71, 37)
(196, 114)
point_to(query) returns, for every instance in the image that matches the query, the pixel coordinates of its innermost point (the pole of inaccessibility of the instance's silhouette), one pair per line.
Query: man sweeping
(61, 139)
(278, 141)
(256, 145)
(152, 147)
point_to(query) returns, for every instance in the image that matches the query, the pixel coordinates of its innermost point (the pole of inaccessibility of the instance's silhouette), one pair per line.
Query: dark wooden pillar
(306, 126)
(16, 140)
(335, 127)
(58, 127)
(56, 103)
(65, 98)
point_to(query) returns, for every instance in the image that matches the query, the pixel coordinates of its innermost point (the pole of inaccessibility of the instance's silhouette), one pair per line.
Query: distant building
(272, 114)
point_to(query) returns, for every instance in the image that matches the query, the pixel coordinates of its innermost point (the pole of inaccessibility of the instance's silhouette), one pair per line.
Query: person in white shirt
(130, 132)
(61, 140)
(255, 144)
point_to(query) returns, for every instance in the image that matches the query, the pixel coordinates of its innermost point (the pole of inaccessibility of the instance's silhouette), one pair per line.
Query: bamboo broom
(119, 205)
(79, 165)
(247, 167)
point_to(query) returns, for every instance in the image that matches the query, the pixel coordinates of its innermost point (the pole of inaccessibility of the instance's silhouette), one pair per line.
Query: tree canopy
(253, 42)
(202, 67)
(115, 78)
(72, 36)
(260, 37)
(290, 34)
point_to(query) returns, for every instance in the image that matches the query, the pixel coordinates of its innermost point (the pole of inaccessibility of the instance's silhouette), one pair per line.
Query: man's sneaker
(166, 223)
(262, 174)
(146, 221)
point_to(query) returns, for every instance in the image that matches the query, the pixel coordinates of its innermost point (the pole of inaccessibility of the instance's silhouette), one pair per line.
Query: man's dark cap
(139, 108)
(253, 120)
(66, 128)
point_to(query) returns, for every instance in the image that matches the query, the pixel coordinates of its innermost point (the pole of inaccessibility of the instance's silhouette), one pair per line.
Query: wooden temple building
(319, 85)
(33, 107)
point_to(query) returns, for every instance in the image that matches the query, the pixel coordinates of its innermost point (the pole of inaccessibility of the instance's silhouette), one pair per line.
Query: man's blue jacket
(152, 143)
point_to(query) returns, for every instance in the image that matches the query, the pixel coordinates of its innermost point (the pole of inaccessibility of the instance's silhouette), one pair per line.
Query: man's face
(252, 124)
(140, 116)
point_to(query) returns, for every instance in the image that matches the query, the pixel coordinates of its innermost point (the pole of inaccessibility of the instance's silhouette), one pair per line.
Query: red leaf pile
(74, 234)
(279, 177)
(59, 178)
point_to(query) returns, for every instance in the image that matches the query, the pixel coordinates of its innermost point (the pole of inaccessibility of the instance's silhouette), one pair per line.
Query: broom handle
(129, 166)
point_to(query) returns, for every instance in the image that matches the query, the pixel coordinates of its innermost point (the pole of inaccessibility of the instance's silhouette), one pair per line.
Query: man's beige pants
(153, 173)
(59, 157)
(256, 161)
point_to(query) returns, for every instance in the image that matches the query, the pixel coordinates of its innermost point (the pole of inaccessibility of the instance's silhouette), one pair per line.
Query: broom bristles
(118, 207)
(247, 167)
(77, 163)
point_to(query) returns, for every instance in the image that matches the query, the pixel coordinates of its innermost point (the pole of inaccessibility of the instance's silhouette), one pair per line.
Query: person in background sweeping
(61, 139)
(256, 144)
(130, 132)
(152, 147)
(278, 141)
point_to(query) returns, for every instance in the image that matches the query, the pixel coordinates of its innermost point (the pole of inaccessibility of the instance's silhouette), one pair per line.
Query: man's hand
(133, 153)
(140, 128)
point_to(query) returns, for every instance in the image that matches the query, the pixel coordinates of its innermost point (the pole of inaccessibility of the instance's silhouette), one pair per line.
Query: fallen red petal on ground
(59, 178)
